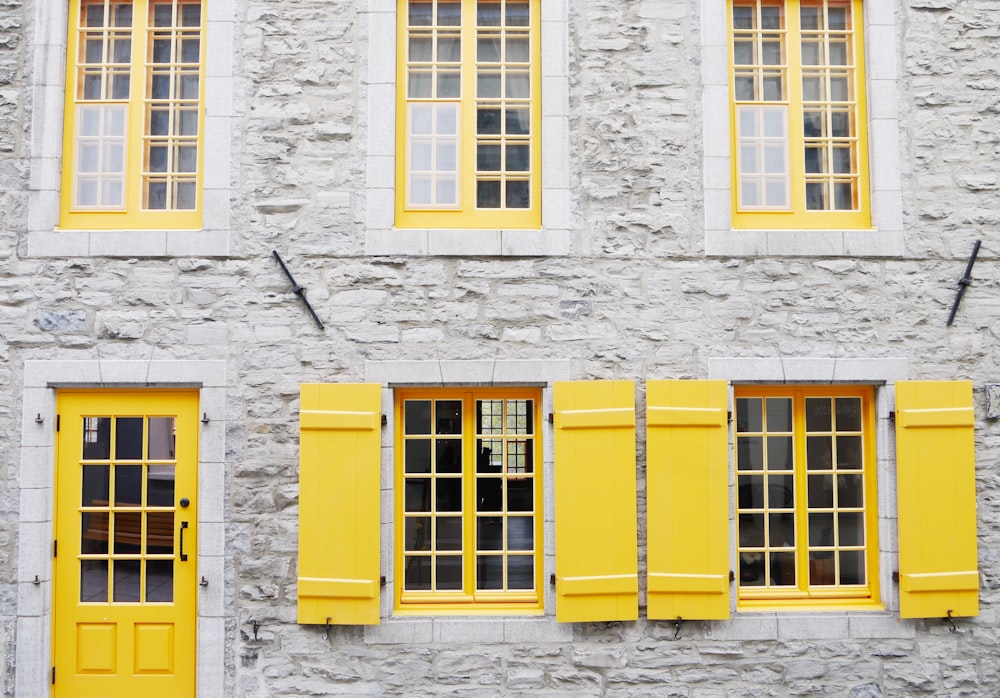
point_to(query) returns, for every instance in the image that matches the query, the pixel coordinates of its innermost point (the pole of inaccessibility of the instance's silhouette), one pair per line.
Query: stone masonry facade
(634, 296)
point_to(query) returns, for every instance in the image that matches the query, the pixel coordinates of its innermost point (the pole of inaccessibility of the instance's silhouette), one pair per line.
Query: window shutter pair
(595, 492)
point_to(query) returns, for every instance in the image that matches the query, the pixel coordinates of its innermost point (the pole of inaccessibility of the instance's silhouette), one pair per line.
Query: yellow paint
(596, 528)
(133, 216)
(116, 648)
(687, 499)
(936, 487)
(339, 494)
(466, 215)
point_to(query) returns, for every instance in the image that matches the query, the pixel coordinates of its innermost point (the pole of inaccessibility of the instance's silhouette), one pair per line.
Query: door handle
(183, 556)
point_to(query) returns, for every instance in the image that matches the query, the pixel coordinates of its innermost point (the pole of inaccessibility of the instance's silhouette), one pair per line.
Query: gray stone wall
(635, 299)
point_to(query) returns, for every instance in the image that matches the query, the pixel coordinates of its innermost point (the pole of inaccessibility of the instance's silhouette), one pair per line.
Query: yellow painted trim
(337, 588)
(684, 417)
(672, 583)
(931, 418)
(612, 418)
(133, 217)
(797, 217)
(598, 585)
(466, 215)
(346, 421)
(940, 581)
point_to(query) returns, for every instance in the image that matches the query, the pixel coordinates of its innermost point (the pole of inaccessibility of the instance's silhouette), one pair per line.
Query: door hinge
(57, 422)
(53, 676)
(55, 548)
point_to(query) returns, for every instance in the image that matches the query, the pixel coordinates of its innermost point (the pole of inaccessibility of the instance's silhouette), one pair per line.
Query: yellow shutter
(596, 549)
(687, 499)
(339, 494)
(936, 483)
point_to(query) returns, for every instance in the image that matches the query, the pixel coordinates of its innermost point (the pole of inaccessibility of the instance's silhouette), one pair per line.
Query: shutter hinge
(53, 676)
(55, 548)
(895, 576)
(57, 422)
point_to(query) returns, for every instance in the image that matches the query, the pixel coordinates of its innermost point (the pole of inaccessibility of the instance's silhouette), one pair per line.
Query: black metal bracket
(677, 627)
(298, 290)
(964, 282)
(255, 624)
(951, 622)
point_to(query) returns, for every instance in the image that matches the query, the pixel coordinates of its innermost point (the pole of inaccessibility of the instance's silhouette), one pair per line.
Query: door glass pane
(159, 581)
(128, 438)
(160, 486)
(416, 536)
(128, 532)
(159, 532)
(94, 533)
(96, 438)
(520, 533)
(449, 494)
(418, 494)
(417, 416)
(417, 457)
(128, 485)
(520, 495)
(94, 581)
(489, 494)
(127, 581)
(449, 456)
(96, 485)
(449, 417)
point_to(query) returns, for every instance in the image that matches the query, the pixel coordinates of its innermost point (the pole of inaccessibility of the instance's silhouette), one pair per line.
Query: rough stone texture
(636, 299)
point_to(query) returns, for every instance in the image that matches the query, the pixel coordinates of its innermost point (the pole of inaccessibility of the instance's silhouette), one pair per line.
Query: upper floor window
(798, 114)
(468, 147)
(132, 149)
(805, 505)
(469, 499)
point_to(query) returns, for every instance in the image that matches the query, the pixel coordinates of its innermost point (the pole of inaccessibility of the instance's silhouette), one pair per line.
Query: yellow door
(126, 544)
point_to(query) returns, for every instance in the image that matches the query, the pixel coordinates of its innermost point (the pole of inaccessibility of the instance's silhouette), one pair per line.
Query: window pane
(851, 526)
(750, 453)
(421, 13)
(417, 573)
(518, 194)
(128, 485)
(750, 492)
(448, 417)
(488, 194)
(488, 85)
(449, 51)
(128, 530)
(489, 494)
(489, 533)
(518, 50)
(449, 84)
(517, 13)
(818, 414)
(848, 452)
(449, 494)
(518, 158)
(849, 491)
(421, 48)
(779, 452)
(488, 13)
(520, 495)
(159, 581)
(520, 572)
(780, 491)
(417, 495)
(852, 567)
(518, 122)
(128, 438)
(749, 414)
(416, 533)
(94, 581)
(488, 158)
(489, 572)
(520, 533)
(820, 491)
(449, 533)
(488, 121)
(448, 455)
(782, 569)
(821, 529)
(449, 13)
(490, 458)
(449, 572)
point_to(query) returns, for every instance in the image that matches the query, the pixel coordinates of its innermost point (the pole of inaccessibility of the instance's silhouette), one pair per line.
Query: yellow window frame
(468, 600)
(802, 593)
(465, 214)
(796, 215)
(131, 215)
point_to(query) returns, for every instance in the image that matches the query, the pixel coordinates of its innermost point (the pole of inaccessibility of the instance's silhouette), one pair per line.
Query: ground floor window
(806, 497)
(468, 498)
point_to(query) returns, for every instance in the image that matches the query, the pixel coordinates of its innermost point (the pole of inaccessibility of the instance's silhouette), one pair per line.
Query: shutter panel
(339, 496)
(936, 488)
(596, 537)
(687, 499)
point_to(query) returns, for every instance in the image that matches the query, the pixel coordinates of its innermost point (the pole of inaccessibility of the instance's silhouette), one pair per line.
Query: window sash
(468, 512)
(806, 517)
(134, 118)
(803, 59)
(468, 114)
